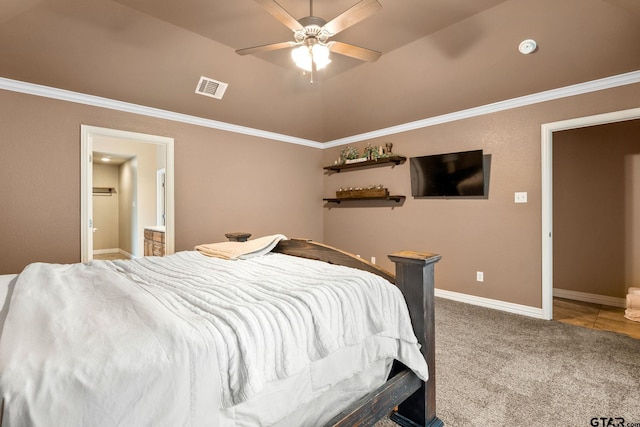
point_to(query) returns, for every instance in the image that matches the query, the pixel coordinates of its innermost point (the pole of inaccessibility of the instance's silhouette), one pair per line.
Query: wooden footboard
(415, 399)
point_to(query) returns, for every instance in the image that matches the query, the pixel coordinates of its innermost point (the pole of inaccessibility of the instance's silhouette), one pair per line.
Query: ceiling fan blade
(353, 15)
(280, 14)
(357, 52)
(265, 48)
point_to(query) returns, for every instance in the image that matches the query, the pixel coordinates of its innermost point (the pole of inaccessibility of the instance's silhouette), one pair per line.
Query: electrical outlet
(373, 260)
(520, 197)
(479, 276)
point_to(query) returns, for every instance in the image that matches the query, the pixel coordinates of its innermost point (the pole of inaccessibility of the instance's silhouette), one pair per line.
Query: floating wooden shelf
(384, 161)
(396, 199)
(103, 191)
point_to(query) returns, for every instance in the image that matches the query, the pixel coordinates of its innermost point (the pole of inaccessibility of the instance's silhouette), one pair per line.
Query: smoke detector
(210, 87)
(527, 46)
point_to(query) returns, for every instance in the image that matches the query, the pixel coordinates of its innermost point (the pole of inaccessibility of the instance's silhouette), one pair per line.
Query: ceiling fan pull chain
(313, 64)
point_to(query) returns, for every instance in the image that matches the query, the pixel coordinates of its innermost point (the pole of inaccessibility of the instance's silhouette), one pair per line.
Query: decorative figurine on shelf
(388, 146)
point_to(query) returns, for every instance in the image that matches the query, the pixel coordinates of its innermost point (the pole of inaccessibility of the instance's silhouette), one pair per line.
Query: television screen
(448, 175)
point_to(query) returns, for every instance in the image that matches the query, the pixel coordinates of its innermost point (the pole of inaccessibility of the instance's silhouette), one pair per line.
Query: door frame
(547, 190)
(86, 183)
(161, 206)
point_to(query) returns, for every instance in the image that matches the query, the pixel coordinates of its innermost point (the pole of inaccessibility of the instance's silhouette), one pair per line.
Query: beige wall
(632, 220)
(230, 182)
(105, 208)
(595, 208)
(495, 236)
(223, 181)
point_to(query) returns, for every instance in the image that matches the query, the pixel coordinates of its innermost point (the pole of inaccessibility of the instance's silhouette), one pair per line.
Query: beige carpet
(385, 423)
(501, 369)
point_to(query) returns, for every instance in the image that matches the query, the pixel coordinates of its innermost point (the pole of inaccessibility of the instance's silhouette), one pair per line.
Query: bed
(137, 342)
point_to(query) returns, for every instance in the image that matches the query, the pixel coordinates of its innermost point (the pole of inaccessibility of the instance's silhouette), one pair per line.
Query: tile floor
(595, 316)
(110, 256)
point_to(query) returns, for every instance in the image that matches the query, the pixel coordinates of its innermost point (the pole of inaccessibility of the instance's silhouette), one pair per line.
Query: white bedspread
(169, 341)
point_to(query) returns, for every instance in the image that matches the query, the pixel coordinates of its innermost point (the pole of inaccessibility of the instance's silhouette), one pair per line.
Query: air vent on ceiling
(210, 87)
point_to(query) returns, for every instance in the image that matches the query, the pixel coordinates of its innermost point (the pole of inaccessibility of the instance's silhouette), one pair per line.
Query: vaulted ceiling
(438, 56)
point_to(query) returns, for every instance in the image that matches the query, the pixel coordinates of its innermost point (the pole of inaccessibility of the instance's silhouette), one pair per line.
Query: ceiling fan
(311, 35)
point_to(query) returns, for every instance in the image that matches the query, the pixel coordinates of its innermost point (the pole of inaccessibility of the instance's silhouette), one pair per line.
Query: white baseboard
(593, 298)
(127, 254)
(106, 251)
(523, 310)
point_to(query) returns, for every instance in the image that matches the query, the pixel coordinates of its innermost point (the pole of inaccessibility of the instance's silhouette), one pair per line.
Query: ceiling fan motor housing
(312, 21)
(313, 29)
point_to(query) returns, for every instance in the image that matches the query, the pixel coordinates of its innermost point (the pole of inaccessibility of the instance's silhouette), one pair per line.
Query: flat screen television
(448, 175)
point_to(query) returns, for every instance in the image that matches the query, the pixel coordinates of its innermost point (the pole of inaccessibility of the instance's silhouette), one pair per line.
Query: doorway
(547, 191)
(114, 187)
(129, 145)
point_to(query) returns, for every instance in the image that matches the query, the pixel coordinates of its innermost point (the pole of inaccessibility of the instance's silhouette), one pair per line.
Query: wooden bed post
(413, 269)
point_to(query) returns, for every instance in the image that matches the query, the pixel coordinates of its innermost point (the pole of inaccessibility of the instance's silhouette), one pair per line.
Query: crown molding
(112, 104)
(96, 101)
(549, 95)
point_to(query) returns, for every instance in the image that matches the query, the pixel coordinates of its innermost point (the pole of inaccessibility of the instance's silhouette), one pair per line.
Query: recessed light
(106, 159)
(527, 46)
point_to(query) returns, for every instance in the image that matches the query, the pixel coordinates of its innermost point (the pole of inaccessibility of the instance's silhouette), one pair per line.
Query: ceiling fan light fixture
(320, 54)
(305, 56)
(302, 57)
